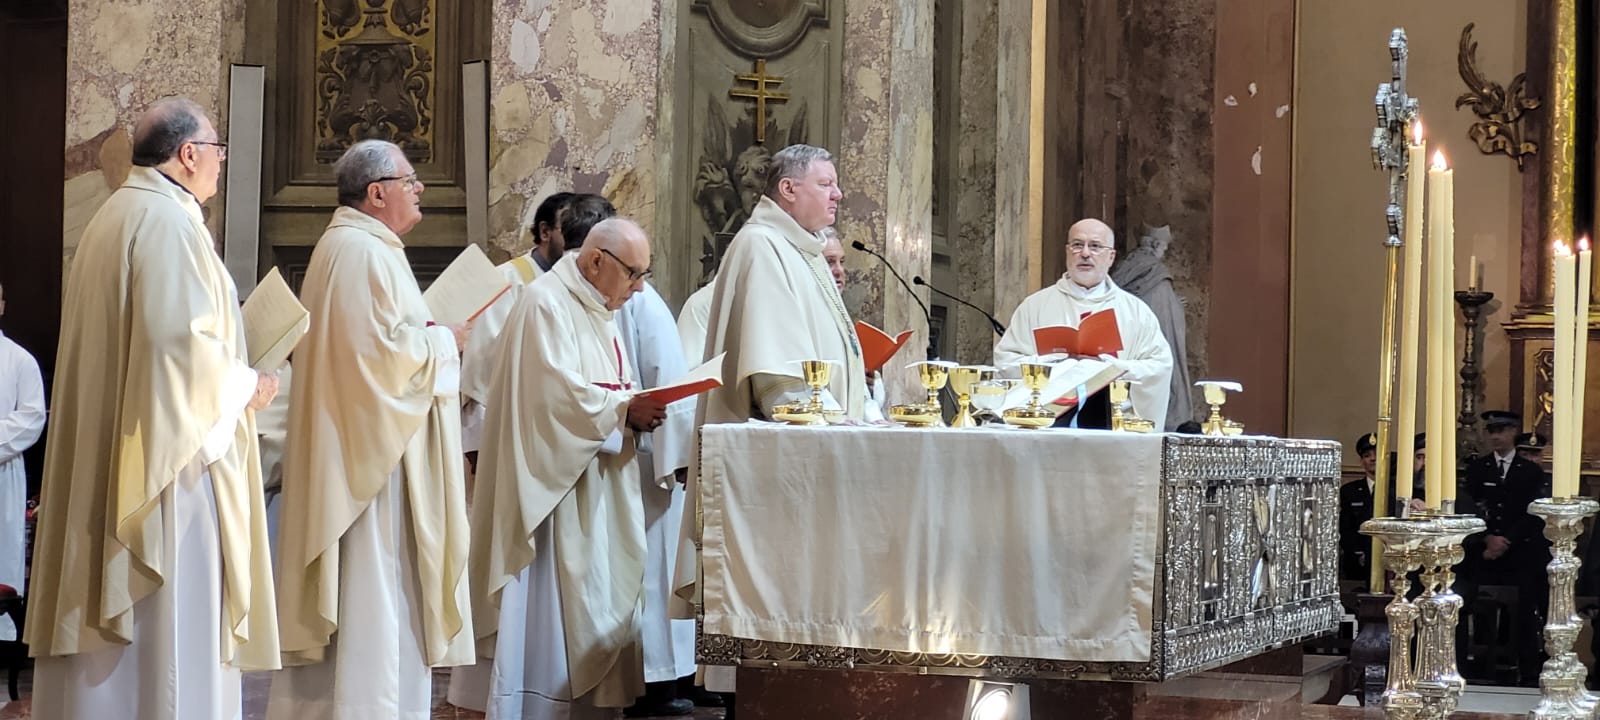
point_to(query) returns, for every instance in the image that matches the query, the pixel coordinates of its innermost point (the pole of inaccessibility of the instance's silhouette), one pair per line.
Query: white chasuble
(649, 335)
(21, 421)
(558, 459)
(152, 582)
(692, 321)
(477, 358)
(373, 523)
(1144, 355)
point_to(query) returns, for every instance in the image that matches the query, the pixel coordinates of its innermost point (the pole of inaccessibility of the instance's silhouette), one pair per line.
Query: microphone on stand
(998, 328)
(933, 354)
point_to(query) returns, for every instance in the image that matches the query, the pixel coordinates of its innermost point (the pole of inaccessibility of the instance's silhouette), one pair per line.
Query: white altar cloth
(1001, 542)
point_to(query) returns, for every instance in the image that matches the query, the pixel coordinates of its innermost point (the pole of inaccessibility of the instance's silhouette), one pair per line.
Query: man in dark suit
(1512, 549)
(1355, 508)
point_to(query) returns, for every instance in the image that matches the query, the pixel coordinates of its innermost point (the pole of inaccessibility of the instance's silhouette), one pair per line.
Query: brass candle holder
(1561, 681)
(1035, 375)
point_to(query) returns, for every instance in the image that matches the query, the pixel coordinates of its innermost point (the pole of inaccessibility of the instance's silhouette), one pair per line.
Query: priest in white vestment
(692, 321)
(650, 339)
(775, 304)
(373, 584)
(1085, 289)
(21, 422)
(559, 540)
(477, 358)
(152, 586)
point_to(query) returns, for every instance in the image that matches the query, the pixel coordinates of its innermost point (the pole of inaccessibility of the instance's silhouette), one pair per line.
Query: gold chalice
(1216, 394)
(1123, 417)
(933, 374)
(963, 380)
(1035, 376)
(817, 374)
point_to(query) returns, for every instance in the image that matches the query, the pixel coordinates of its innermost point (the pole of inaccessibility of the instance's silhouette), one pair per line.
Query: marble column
(974, 245)
(885, 162)
(1019, 153)
(573, 93)
(120, 58)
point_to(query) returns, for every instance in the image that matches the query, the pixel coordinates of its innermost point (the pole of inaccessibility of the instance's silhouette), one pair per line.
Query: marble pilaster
(573, 106)
(973, 248)
(1019, 153)
(885, 162)
(122, 56)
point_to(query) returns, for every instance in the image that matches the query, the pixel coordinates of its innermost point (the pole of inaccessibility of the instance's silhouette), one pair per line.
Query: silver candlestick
(1402, 540)
(1561, 682)
(1438, 676)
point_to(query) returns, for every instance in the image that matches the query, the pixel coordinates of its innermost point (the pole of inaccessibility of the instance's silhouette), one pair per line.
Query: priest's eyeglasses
(222, 148)
(1078, 248)
(633, 275)
(409, 182)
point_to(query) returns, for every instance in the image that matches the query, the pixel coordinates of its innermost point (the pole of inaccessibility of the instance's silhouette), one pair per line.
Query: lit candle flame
(1583, 244)
(1439, 162)
(1562, 249)
(1416, 133)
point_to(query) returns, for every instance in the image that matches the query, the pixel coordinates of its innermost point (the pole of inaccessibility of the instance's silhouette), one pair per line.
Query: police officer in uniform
(1512, 550)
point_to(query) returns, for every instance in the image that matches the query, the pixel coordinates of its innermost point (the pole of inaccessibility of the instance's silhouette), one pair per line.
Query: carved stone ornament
(763, 28)
(375, 83)
(1500, 110)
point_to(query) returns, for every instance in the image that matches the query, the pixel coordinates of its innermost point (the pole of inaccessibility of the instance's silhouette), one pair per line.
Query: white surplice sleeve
(21, 426)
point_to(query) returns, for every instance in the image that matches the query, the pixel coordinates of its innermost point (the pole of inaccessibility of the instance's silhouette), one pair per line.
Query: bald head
(615, 259)
(1091, 248)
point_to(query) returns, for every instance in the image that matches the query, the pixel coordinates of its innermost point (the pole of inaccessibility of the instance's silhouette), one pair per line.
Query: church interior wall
(1338, 261)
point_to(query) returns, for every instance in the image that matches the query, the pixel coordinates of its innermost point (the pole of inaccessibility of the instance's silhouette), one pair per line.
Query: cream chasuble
(369, 407)
(21, 421)
(692, 321)
(1144, 355)
(477, 358)
(558, 460)
(148, 434)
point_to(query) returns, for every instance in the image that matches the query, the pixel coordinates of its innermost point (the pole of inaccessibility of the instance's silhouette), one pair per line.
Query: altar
(1011, 554)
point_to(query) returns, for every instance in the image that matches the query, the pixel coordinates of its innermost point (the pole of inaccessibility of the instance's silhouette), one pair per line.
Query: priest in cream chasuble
(559, 543)
(373, 582)
(1086, 289)
(152, 584)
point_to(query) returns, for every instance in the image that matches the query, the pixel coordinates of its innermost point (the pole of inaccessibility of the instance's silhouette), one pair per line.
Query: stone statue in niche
(728, 184)
(1143, 272)
(376, 84)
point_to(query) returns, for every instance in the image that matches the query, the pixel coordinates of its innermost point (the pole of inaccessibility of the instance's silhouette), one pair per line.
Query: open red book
(1094, 336)
(699, 380)
(877, 346)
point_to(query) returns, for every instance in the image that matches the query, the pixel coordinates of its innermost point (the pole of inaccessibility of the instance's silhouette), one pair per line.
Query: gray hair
(365, 163)
(793, 163)
(163, 128)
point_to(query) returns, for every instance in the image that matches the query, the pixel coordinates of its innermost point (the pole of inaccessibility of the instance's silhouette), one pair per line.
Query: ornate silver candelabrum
(1561, 681)
(1438, 677)
(1402, 540)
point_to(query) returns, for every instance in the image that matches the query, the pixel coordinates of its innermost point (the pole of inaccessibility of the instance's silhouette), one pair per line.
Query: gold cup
(962, 380)
(1216, 394)
(1035, 376)
(933, 375)
(817, 374)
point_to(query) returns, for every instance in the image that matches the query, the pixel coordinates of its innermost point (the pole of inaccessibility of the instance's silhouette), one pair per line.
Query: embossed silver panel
(1249, 562)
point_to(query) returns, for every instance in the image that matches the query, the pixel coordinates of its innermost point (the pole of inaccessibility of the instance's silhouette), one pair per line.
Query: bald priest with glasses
(1083, 290)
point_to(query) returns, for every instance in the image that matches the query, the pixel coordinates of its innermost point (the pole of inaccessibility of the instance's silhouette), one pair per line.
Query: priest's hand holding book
(645, 413)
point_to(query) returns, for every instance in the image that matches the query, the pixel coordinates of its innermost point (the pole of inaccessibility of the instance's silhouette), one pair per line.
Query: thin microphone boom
(998, 328)
(926, 315)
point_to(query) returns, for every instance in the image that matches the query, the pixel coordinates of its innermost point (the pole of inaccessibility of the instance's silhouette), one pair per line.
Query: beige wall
(1338, 264)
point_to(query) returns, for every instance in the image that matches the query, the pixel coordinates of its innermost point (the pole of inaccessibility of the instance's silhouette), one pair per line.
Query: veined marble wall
(886, 163)
(122, 56)
(573, 93)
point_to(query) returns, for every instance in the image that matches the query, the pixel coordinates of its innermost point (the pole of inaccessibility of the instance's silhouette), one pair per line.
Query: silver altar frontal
(1013, 554)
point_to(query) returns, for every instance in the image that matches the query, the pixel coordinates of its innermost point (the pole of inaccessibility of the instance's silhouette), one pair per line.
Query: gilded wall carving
(762, 76)
(375, 76)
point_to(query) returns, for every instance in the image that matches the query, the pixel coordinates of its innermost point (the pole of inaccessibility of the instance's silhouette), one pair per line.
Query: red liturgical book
(698, 380)
(877, 346)
(1096, 335)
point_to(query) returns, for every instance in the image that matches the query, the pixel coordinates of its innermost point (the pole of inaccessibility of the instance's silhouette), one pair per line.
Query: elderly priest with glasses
(1085, 289)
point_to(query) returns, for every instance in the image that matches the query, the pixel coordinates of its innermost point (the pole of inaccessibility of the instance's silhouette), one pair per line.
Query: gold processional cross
(760, 93)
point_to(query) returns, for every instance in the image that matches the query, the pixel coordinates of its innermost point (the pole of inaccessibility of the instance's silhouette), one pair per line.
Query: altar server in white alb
(559, 546)
(21, 422)
(152, 584)
(373, 556)
(1083, 290)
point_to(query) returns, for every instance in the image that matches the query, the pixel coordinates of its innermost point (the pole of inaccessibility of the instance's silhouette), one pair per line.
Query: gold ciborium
(1216, 393)
(1035, 376)
(962, 381)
